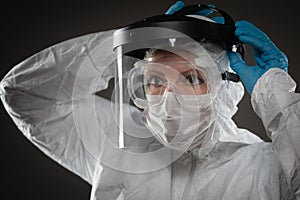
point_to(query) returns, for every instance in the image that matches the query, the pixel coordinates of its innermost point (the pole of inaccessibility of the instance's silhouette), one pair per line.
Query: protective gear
(175, 7)
(266, 54)
(56, 99)
(174, 123)
(185, 22)
(158, 77)
(197, 70)
(162, 33)
(179, 5)
(168, 115)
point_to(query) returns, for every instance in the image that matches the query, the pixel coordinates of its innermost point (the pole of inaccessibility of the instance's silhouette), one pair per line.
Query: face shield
(165, 101)
(173, 83)
(171, 75)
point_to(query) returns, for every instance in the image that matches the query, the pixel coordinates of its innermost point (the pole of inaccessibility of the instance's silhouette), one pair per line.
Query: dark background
(28, 27)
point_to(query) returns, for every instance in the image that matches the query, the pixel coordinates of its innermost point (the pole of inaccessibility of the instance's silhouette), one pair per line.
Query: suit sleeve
(45, 96)
(274, 100)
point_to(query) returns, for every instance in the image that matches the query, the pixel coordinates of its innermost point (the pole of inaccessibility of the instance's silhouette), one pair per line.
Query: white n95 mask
(179, 121)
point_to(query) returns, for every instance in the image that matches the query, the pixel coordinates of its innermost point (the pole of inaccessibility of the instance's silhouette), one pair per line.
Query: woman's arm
(276, 103)
(43, 94)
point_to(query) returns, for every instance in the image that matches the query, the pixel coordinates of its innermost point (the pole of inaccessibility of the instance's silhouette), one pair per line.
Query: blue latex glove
(179, 5)
(174, 8)
(266, 55)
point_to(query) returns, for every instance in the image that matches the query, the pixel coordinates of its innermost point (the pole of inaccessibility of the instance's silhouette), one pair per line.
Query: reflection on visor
(152, 78)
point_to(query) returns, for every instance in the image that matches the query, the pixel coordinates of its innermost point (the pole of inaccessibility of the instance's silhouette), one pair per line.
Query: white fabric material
(175, 124)
(37, 94)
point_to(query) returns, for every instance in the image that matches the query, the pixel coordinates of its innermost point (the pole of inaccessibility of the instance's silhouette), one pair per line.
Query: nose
(169, 89)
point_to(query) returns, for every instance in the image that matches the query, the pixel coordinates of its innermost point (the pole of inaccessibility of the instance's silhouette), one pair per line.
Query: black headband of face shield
(197, 29)
(216, 31)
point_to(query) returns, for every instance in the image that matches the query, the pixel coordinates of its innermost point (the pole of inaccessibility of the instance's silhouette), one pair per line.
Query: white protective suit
(39, 96)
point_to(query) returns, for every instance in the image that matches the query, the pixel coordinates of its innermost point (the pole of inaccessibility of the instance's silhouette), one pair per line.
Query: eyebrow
(187, 71)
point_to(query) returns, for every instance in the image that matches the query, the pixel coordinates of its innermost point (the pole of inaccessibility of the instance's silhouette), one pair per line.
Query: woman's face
(168, 72)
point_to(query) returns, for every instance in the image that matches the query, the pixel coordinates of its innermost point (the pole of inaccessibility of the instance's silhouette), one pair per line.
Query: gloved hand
(266, 55)
(179, 5)
(174, 8)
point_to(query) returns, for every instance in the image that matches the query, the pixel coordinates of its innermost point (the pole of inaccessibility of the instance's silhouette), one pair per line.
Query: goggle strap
(230, 77)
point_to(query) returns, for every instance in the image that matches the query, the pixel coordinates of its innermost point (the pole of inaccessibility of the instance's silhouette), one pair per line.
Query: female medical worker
(45, 96)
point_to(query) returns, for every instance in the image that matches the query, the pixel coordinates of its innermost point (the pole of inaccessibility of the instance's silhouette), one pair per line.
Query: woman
(226, 163)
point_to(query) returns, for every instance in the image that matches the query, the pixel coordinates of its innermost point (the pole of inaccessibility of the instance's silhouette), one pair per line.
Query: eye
(194, 79)
(155, 81)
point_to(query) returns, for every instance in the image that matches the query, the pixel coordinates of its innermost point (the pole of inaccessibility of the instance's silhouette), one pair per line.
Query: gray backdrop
(28, 27)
